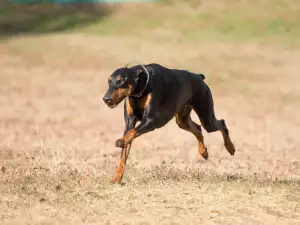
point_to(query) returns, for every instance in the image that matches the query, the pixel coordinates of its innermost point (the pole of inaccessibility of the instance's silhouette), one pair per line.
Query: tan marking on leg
(189, 125)
(121, 169)
(198, 134)
(228, 143)
(129, 136)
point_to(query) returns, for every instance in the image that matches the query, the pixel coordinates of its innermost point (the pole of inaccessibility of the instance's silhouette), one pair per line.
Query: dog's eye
(118, 82)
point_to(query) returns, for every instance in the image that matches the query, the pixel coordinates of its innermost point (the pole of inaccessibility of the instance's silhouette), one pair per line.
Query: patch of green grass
(234, 21)
(243, 27)
(270, 21)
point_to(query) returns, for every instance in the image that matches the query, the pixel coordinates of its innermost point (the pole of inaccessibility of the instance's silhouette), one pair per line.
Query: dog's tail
(202, 76)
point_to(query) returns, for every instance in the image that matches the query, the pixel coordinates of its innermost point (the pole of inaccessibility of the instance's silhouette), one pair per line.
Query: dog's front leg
(130, 124)
(145, 126)
(121, 168)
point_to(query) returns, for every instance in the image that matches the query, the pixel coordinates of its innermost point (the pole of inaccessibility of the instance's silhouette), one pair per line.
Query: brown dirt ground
(57, 137)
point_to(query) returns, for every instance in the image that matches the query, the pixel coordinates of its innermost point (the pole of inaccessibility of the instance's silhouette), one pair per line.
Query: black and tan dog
(154, 95)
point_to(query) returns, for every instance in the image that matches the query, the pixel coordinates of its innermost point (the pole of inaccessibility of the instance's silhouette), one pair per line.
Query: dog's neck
(142, 85)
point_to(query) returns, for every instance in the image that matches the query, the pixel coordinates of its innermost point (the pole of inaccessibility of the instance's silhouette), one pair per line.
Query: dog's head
(120, 85)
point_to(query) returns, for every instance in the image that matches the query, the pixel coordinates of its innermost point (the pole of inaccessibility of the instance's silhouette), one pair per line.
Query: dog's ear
(137, 74)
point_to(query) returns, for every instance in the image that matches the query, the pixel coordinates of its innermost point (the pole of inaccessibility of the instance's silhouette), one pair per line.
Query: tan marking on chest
(145, 101)
(129, 106)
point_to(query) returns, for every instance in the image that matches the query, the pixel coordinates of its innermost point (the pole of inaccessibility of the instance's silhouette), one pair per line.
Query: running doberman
(154, 95)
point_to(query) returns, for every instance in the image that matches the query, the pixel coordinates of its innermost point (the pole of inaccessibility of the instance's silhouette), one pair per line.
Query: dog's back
(174, 72)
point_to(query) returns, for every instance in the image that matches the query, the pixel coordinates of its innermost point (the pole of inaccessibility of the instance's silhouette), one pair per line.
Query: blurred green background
(272, 21)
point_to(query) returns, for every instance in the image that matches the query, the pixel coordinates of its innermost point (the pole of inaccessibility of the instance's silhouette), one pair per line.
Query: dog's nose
(107, 99)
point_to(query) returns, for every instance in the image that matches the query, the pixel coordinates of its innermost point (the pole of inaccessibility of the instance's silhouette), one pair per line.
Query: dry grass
(57, 137)
(161, 195)
(57, 152)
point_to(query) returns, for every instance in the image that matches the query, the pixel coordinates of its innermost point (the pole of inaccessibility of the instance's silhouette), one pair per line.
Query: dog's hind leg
(204, 108)
(227, 141)
(184, 121)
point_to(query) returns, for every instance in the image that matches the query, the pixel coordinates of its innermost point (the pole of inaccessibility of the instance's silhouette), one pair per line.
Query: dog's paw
(230, 148)
(205, 155)
(120, 143)
(115, 179)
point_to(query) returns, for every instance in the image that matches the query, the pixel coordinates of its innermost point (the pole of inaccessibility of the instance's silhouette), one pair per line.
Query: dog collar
(138, 95)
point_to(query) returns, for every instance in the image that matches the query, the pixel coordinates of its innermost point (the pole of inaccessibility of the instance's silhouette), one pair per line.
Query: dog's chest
(139, 113)
(139, 105)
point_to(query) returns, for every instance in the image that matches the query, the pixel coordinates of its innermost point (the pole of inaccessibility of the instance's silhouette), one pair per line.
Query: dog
(154, 95)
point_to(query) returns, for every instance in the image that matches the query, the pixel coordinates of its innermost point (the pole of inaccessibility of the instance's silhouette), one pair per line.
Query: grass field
(57, 153)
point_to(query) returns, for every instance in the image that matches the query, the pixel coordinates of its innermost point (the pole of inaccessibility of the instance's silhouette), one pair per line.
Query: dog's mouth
(113, 104)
